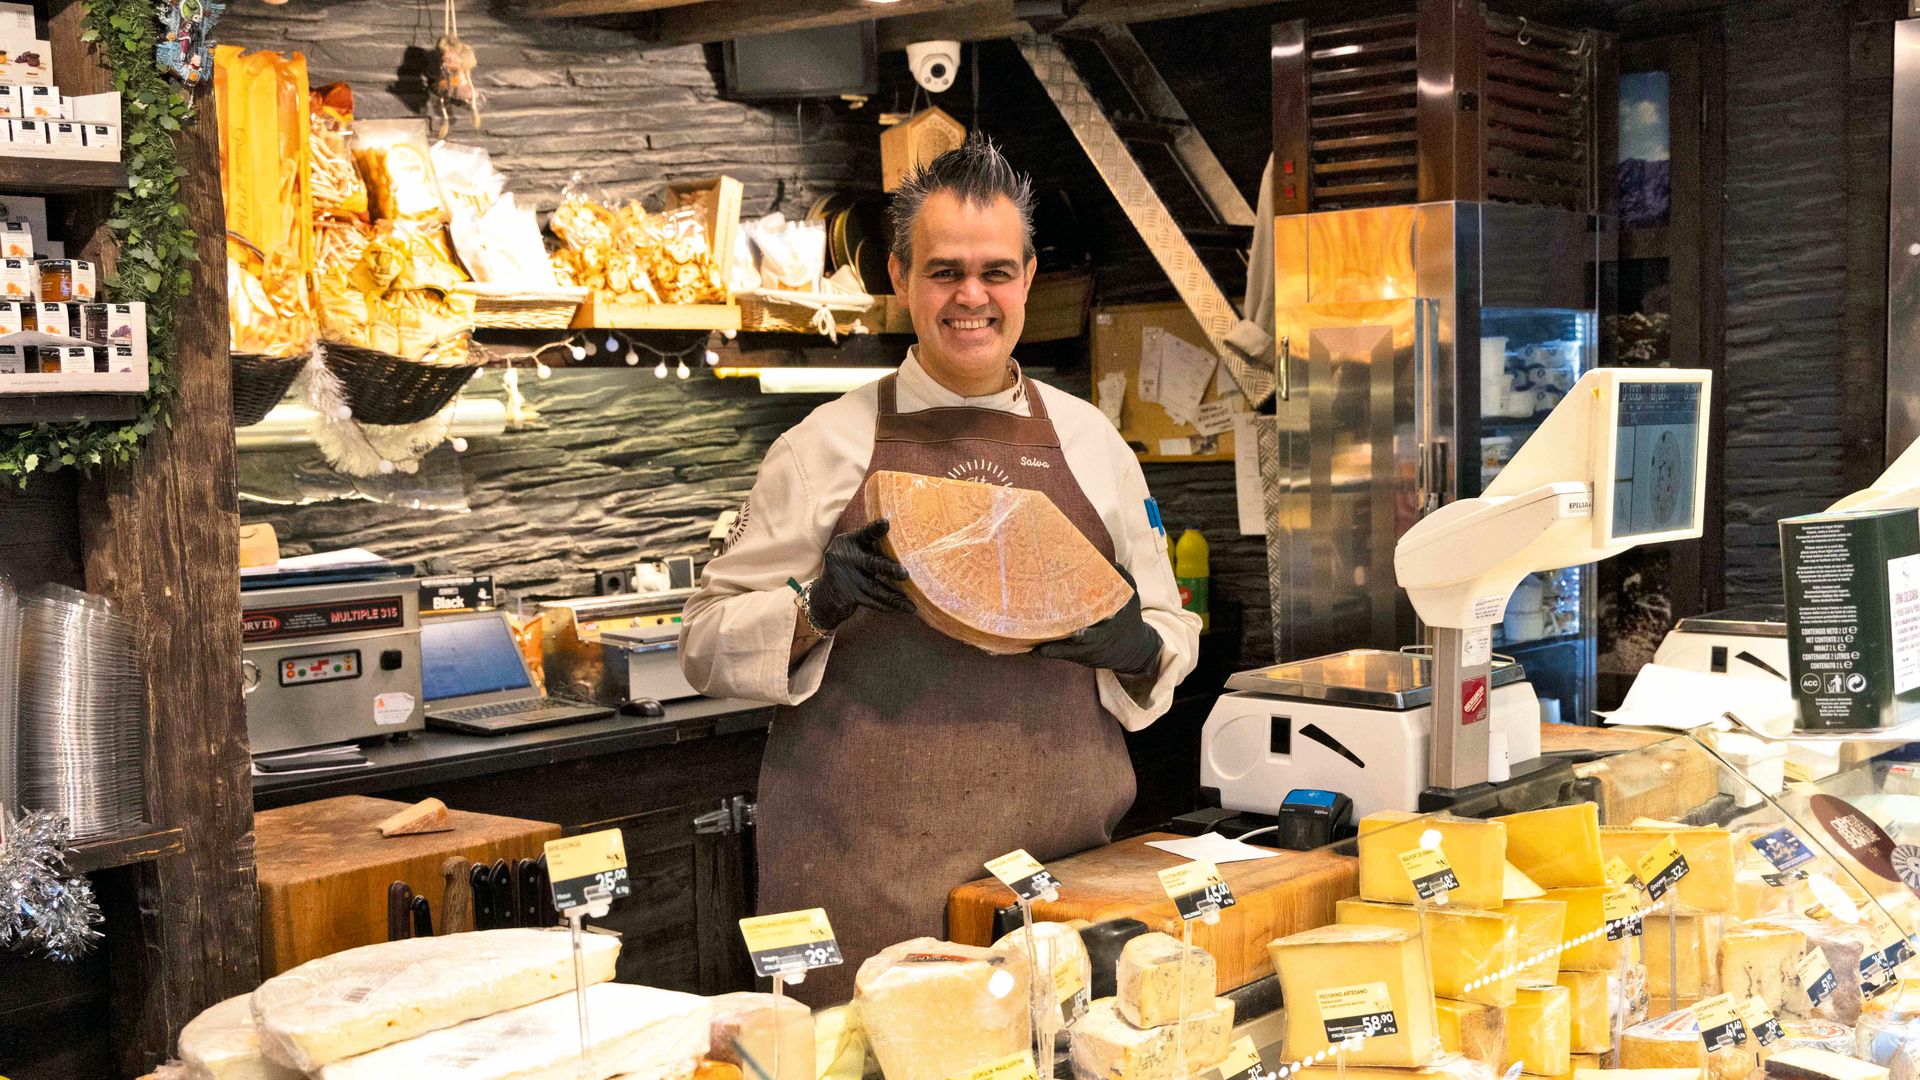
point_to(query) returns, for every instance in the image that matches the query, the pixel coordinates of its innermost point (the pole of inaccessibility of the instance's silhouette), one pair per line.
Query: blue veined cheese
(1149, 977)
(365, 998)
(222, 1044)
(639, 1033)
(1104, 1046)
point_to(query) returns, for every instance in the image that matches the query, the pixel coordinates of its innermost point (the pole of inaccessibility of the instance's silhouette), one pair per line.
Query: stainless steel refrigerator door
(1347, 477)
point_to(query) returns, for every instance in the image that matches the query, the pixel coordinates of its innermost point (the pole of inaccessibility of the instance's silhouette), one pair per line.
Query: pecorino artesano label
(317, 620)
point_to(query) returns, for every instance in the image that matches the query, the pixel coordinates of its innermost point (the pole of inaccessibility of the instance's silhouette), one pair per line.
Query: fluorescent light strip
(806, 380)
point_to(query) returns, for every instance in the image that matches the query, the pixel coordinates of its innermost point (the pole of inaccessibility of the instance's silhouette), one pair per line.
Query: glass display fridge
(1418, 348)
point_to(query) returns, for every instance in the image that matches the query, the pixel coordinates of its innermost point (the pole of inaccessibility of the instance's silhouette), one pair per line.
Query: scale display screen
(1657, 435)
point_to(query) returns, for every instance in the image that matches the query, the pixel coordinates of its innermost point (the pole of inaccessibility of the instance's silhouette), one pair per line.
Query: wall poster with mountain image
(1642, 175)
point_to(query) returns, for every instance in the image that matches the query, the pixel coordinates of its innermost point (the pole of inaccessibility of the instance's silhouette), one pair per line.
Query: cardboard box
(1853, 617)
(16, 240)
(915, 142)
(44, 103)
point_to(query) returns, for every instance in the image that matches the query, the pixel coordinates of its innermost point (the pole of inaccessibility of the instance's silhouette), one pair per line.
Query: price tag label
(1619, 873)
(1720, 1026)
(1760, 1021)
(1016, 1066)
(587, 868)
(1068, 982)
(1428, 869)
(790, 941)
(1662, 866)
(1891, 948)
(1196, 889)
(1023, 874)
(1621, 909)
(1243, 1062)
(1796, 772)
(1364, 1010)
(1785, 851)
(1816, 977)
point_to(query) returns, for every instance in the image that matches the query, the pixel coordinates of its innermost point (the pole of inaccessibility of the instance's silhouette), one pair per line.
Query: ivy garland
(150, 228)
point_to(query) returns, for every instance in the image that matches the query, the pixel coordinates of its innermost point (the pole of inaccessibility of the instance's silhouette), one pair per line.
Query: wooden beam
(902, 22)
(162, 539)
(721, 20)
(576, 9)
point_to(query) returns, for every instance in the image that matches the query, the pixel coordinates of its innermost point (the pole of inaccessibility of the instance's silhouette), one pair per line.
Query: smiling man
(900, 759)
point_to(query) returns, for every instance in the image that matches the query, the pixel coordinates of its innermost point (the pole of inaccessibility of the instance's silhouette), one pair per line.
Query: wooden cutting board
(1274, 897)
(324, 870)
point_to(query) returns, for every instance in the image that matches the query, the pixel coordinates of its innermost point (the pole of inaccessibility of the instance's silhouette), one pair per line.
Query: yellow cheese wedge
(1636, 1074)
(1449, 1067)
(1338, 957)
(1708, 886)
(1469, 950)
(1673, 1042)
(1558, 847)
(1585, 931)
(1694, 940)
(1761, 960)
(1520, 886)
(1473, 1030)
(1541, 924)
(1591, 995)
(1475, 849)
(1539, 1032)
(1588, 1062)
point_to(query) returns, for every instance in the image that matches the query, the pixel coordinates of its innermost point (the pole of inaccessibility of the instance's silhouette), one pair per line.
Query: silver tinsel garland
(42, 908)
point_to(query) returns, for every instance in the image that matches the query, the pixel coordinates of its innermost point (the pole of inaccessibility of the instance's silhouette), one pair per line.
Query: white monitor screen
(469, 656)
(1657, 452)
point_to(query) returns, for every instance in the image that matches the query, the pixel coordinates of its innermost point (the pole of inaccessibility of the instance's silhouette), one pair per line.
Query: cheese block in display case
(1471, 952)
(1473, 1030)
(1348, 962)
(932, 1008)
(1154, 973)
(1475, 849)
(1558, 847)
(1105, 1045)
(1539, 1029)
(1708, 886)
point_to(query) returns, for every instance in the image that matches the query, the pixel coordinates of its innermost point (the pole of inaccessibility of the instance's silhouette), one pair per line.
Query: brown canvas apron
(920, 758)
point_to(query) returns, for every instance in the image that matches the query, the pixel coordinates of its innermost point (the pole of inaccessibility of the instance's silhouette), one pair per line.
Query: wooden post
(162, 537)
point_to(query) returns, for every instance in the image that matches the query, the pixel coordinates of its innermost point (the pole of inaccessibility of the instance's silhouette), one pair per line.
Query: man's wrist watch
(803, 599)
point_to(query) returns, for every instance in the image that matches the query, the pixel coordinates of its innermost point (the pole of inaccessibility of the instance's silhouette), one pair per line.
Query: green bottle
(1190, 573)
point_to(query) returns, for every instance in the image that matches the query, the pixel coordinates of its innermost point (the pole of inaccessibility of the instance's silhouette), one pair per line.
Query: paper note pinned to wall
(1176, 447)
(1246, 475)
(1185, 371)
(1215, 417)
(1113, 396)
(1153, 350)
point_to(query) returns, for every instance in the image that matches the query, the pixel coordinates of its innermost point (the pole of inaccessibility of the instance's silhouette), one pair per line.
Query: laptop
(476, 682)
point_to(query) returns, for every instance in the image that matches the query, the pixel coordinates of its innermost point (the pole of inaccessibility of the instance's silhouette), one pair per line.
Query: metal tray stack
(82, 711)
(9, 696)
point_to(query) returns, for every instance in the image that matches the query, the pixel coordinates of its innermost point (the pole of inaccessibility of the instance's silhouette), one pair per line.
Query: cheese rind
(1539, 926)
(365, 998)
(1673, 1042)
(1539, 1030)
(1103, 1044)
(1809, 1064)
(1473, 1030)
(1591, 998)
(1477, 851)
(1762, 960)
(1340, 956)
(932, 1008)
(1636, 1074)
(1448, 1067)
(222, 1044)
(1147, 980)
(1708, 886)
(776, 1032)
(1586, 913)
(1558, 847)
(1468, 949)
(636, 1029)
(1064, 966)
(1694, 940)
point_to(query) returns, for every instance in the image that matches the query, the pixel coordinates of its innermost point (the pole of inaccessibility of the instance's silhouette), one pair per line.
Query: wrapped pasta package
(638, 1031)
(265, 180)
(999, 568)
(338, 190)
(933, 1008)
(362, 999)
(397, 165)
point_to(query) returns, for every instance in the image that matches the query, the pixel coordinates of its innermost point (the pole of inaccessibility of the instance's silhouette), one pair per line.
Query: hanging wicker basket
(382, 388)
(259, 382)
(782, 311)
(506, 308)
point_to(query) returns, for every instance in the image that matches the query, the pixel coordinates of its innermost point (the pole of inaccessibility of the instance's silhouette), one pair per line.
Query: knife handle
(422, 917)
(399, 911)
(481, 877)
(504, 902)
(549, 915)
(528, 872)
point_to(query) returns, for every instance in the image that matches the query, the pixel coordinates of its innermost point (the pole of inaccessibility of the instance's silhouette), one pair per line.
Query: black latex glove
(1123, 643)
(857, 575)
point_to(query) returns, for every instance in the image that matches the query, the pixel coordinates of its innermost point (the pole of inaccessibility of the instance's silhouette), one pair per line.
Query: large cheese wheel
(1000, 568)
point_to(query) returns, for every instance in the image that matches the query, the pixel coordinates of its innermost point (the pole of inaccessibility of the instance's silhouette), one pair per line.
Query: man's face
(966, 290)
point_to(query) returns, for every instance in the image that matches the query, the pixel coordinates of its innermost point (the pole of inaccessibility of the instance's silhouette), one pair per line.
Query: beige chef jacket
(737, 637)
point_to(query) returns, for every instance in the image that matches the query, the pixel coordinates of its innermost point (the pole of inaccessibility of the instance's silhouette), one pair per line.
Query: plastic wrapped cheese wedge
(1063, 965)
(1673, 1042)
(365, 998)
(222, 1044)
(774, 1033)
(932, 1008)
(1105, 1046)
(1000, 568)
(639, 1033)
(1450, 1067)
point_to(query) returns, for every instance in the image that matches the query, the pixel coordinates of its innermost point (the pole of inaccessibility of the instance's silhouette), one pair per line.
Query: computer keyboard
(530, 710)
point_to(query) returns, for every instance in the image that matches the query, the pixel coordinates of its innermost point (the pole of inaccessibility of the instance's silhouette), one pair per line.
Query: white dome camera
(934, 63)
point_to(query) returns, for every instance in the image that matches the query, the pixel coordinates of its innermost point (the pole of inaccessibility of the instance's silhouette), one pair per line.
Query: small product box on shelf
(123, 360)
(63, 359)
(44, 103)
(52, 318)
(119, 366)
(12, 105)
(109, 324)
(30, 135)
(102, 137)
(65, 134)
(17, 279)
(67, 280)
(16, 240)
(12, 319)
(13, 360)
(86, 129)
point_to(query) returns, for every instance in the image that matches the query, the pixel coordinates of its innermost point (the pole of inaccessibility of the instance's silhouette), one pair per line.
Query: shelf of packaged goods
(32, 174)
(141, 843)
(17, 409)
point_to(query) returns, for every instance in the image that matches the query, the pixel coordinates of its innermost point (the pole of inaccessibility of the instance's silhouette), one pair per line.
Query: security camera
(934, 63)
